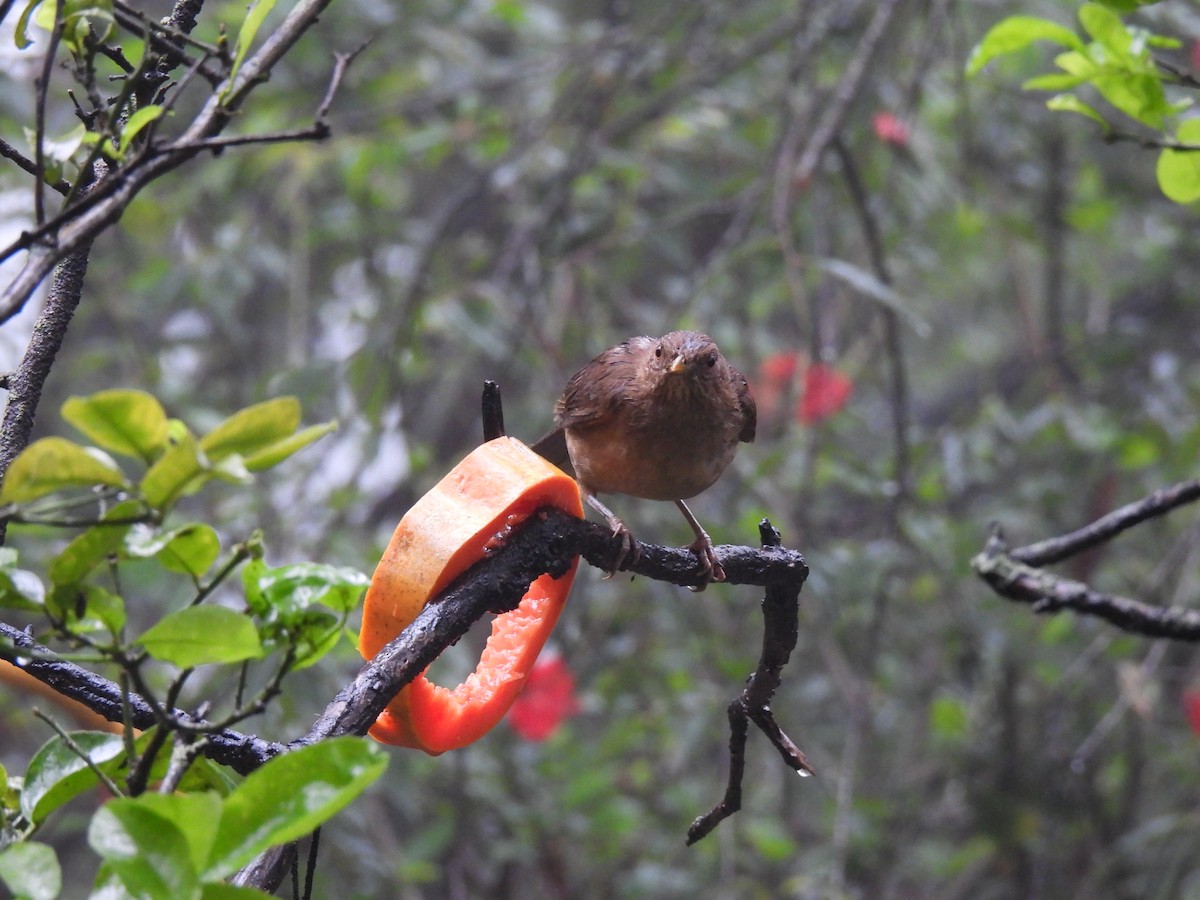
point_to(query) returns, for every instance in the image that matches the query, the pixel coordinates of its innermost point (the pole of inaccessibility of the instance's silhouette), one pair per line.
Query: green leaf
(180, 468)
(1139, 96)
(257, 14)
(286, 600)
(317, 633)
(189, 550)
(44, 14)
(232, 469)
(866, 283)
(137, 122)
(59, 149)
(290, 796)
(145, 850)
(198, 635)
(280, 450)
(131, 423)
(1055, 81)
(1071, 103)
(91, 609)
(287, 590)
(1078, 64)
(105, 608)
(21, 33)
(1016, 33)
(1106, 27)
(19, 588)
(196, 815)
(56, 774)
(1178, 171)
(253, 429)
(30, 871)
(53, 464)
(90, 548)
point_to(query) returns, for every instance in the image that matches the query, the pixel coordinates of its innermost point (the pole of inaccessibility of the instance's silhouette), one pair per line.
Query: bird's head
(686, 353)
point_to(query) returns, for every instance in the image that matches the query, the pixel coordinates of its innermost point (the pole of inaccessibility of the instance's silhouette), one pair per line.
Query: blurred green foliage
(512, 187)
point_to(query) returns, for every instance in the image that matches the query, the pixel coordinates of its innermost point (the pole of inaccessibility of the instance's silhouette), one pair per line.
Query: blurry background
(513, 186)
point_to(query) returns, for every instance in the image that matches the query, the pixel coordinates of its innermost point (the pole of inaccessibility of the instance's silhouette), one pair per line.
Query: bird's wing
(553, 448)
(746, 404)
(600, 387)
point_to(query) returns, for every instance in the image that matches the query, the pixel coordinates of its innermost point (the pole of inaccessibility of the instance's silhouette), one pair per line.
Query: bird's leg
(710, 568)
(619, 530)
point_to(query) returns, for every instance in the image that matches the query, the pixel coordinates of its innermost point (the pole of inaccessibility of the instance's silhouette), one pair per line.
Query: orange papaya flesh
(495, 488)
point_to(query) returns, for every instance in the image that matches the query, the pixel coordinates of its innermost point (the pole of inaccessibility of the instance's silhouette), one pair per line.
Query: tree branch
(546, 542)
(781, 628)
(241, 752)
(847, 89)
(85, 221)
(8, 151)
(26, 383)
(1017, 574)
(1107, 527)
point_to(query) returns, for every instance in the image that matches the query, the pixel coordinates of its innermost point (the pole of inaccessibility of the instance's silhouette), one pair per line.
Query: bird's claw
(710, 567)
(627, 547)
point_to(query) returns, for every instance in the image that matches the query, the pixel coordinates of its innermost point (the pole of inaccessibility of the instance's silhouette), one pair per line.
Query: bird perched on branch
(657, 418)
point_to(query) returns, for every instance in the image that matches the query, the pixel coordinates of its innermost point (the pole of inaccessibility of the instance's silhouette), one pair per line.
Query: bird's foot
(627, 547)
(710, 567)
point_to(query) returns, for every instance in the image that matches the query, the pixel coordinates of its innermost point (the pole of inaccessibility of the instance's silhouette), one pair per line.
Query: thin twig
(80, 752)
(1159, 503)
(1049, 593)
(39, 140)
(8, 151)
(82, 226)
(183, 754)
(846, 91)
(898, 379)
(318, 131)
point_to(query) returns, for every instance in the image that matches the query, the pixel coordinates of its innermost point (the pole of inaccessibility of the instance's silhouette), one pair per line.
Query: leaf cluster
(1117, 62)
(185, 838)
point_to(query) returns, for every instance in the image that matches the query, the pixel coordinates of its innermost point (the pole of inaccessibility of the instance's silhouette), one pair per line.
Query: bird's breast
(661, 460)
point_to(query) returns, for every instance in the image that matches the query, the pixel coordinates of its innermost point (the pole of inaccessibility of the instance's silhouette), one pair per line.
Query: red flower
(778, 368)
(1191, 706)
(890, 129)
(825, 392)
(775, 374)
(546, 700)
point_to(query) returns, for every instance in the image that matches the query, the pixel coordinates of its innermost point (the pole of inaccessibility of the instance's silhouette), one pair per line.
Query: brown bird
(657, 418)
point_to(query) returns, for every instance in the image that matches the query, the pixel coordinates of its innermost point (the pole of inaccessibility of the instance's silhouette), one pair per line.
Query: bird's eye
(712, 359)
(658, 351)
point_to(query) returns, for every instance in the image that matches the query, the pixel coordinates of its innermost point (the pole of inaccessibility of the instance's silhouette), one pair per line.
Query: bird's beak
(678, 365)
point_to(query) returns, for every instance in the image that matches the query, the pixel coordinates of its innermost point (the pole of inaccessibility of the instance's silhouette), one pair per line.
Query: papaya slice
(495, 488)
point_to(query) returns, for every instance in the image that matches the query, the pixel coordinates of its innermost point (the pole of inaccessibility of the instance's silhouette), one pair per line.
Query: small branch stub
(493, 412)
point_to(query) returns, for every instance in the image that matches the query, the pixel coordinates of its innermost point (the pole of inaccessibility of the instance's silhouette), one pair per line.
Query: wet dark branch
(546, 542)
(1016, 575)
(1107, 527)
(781, 626)
(241, 752)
